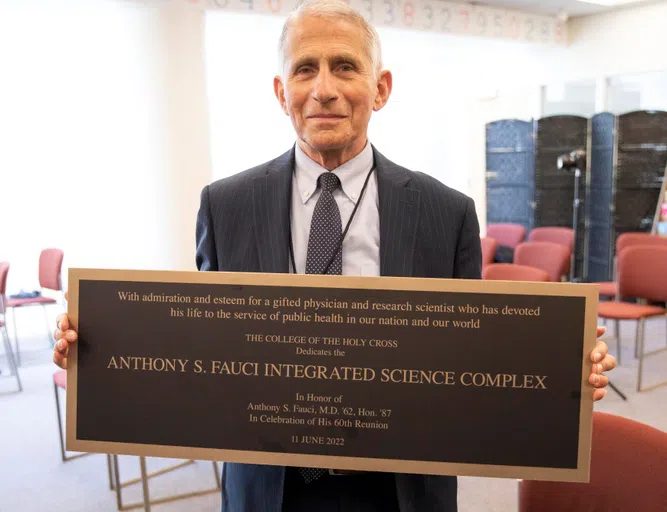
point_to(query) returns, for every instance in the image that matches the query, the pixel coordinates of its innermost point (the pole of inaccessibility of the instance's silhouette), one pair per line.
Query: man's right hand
(63, 336)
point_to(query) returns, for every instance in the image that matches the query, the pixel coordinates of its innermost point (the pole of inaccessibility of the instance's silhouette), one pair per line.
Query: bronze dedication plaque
(430, 376)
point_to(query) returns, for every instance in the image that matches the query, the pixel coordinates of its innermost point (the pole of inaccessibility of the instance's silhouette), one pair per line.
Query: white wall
(623, 41)
(104, 142)
(105, 123)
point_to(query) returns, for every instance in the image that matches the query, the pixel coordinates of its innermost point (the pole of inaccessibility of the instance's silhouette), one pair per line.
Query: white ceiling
(570, 7)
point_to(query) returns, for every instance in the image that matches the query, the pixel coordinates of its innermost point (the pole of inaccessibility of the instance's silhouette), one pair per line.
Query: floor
(33, 477)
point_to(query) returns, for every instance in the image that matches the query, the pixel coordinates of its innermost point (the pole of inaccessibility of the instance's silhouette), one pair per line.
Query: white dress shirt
(361, 246)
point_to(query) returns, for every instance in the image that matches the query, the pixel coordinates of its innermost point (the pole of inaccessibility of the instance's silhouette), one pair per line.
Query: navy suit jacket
(426, 230)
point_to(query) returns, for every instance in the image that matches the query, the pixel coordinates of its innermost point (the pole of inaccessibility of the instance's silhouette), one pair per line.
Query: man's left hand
(602, 362)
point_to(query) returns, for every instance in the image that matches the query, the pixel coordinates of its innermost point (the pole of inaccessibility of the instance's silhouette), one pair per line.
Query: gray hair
(333, 10)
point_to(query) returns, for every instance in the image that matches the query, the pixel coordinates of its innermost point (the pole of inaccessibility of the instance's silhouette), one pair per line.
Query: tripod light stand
(574, 162)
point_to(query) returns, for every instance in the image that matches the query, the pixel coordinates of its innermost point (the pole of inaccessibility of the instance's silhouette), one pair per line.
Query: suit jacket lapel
(399, 213)
(272, 194)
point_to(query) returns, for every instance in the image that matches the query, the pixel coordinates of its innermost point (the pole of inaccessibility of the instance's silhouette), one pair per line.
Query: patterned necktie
(325, 230)
(311, 474)
(324, 239)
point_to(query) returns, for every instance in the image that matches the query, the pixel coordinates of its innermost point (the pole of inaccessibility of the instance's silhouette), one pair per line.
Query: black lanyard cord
(343, 234)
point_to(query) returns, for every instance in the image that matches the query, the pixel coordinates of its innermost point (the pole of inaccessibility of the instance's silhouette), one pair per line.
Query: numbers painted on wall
(457, 18)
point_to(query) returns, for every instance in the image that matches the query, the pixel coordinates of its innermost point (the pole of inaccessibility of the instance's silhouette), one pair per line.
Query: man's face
(329, 87)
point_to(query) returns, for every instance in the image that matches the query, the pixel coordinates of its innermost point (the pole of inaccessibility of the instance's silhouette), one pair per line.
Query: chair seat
(626, 311)
(608, 289)
(60, 379)
(17, 303)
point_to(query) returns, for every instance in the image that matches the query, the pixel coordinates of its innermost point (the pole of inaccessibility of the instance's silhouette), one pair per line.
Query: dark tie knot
(328, 181)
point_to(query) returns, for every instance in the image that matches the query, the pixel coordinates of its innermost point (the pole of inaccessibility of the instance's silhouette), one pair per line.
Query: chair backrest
(489, 246)
(50, 265)
(509, 235)
(628, 239)
(557, 235)
(628, 472)
(642, 272)
(4, 270)
(513, 272)
(551, 257)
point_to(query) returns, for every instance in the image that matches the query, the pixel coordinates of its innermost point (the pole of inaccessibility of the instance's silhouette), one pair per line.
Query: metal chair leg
(16, 338)
(61, 433)
(144, 484)
(619, 349)
(13, 367)
(218, 478)
(110, 470)
(60, 424)
(119, 497)
(617, 330)
(48, 326)
(5, 340)
(144, 479)
(640, 339)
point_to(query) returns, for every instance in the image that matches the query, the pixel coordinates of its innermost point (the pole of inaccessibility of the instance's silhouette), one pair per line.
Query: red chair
(509, 235)
(11, 360)
(628, 473)
(610, 288)
(60, 382)
(642, 274)
(513, 272)
(550, 257)
(556, 235)
(50, 266)
(489, 246)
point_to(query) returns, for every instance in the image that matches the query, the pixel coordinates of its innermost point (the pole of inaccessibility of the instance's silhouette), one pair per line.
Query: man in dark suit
(290, 215)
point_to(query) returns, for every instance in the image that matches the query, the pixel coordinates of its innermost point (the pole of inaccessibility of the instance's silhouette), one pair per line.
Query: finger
(599, 381)
(601, 330)
(599, 352)
(61, 347)
(599, 394)
(69, 336)
(608, 363)
(62, 322)
(67, 295)
(60, 361)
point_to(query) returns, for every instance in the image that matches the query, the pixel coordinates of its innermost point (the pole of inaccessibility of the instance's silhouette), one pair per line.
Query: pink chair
(514, 272)
(642, 274)
(556, 235)
(610, 288)
(113, 469)
(550, 257)
(509, 235)
(489, 246)
(50, 266)
(13, 367)
(628, 473)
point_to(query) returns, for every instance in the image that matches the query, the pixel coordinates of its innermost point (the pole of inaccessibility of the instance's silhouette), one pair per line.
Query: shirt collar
(352, 173)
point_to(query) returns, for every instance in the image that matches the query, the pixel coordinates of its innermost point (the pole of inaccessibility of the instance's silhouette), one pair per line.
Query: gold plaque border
(579, 474)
